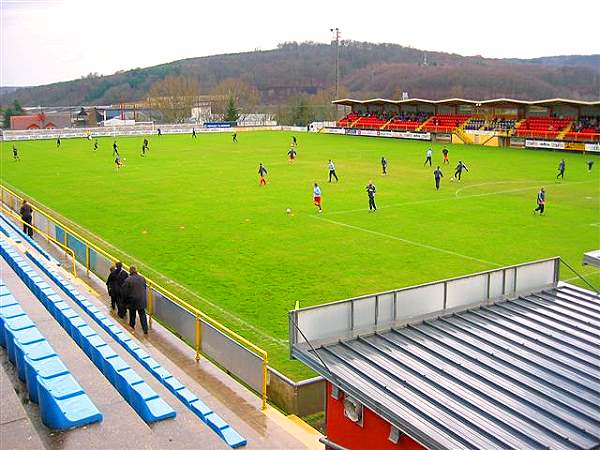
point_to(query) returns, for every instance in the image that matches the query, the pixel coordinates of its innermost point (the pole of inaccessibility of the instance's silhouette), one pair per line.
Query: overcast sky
(44, 41)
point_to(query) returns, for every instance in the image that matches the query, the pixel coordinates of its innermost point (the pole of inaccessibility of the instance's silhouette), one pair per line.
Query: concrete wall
(302, 398)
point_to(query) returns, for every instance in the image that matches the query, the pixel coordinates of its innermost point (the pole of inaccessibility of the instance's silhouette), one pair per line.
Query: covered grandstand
(500, 121)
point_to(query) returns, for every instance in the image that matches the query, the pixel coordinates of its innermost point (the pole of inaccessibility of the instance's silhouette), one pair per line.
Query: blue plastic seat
(173, 384)
(73, 324)
(7, 300)
(67, 315)
(111, 366)
(12, 325)
(125, 380)
(44, 368)
(201, 409)
(64, 405)
(34, 353)
(11, 311)
(186, 396)
(23, 338)
(150, 363)
(81, 334)
(149, 405)
(216, 422)
(93, 343)
(100, 354)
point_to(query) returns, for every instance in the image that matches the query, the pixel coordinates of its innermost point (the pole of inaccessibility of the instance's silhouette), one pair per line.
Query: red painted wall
(373, 435)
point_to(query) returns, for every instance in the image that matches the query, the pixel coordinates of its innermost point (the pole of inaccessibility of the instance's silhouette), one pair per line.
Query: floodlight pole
(336, 38)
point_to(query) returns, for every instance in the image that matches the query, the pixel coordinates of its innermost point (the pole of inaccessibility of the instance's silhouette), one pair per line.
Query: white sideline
(406, 241)
(456, 197)
(584, 274)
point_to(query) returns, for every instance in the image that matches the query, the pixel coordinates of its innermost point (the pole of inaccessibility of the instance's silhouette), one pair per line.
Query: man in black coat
(134, 293)
(114, 283)
(26, 212)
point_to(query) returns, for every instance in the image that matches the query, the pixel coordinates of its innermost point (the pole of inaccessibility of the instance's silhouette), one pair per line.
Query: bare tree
(174, 98)
(245, 96)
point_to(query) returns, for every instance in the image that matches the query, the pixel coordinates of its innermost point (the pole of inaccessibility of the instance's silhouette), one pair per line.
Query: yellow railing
(420, 127)
(463, 135)
(564, 130)
(384, 126)
(200, 316)
(47, 236)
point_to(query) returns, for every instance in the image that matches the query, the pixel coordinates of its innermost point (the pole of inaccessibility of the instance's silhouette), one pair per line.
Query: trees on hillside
(174, 98)
(244, 96)
(14, 110)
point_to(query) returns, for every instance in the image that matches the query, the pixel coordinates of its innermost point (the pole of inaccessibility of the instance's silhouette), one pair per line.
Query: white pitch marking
(406, 241)
(585, 274)
(445, 199)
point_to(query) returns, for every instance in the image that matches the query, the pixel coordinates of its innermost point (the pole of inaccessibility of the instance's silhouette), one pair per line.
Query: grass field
(192, 212)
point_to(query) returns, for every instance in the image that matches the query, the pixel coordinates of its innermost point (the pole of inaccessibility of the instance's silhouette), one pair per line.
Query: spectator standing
(26, 213)
(114, 284)
(134, 293)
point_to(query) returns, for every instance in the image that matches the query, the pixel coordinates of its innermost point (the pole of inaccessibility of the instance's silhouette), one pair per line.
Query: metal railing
(67, 250)
(159, 297)
(374, 312)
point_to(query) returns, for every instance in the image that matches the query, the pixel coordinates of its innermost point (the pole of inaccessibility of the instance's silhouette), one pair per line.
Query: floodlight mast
(336, 39)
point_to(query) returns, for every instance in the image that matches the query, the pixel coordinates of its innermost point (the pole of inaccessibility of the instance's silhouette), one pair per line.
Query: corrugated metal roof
(515, 375)
(545, 102)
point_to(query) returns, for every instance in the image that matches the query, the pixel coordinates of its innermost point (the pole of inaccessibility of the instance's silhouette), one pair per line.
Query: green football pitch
(192, 215)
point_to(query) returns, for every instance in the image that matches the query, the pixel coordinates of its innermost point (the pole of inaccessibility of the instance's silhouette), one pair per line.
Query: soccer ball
(288, 211)
(452, 179)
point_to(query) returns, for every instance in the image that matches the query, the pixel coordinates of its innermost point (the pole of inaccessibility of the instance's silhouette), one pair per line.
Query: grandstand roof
(519, 374)
(462, 101)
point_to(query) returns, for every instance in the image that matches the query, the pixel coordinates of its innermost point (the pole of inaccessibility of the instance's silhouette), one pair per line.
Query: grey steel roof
(515, 375)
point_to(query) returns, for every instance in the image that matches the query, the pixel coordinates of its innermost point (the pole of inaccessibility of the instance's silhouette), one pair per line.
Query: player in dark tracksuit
(15, 153)
(96, 144)
(294, 141)
(541, 201)
(58, 142)
(194, 133)
(561, 170)
(371, 193)
(158, 132)
(459, 168)
(590, 163)
(144, 147)
(437, 173)
(234, 137)
(115, 149)
(383, 165)
(262, 172)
